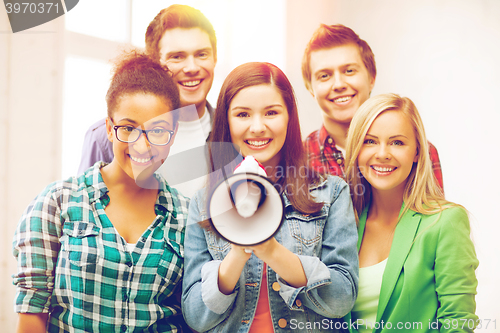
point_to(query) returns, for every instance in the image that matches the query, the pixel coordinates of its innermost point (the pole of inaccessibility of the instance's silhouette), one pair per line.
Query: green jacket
(429, 283)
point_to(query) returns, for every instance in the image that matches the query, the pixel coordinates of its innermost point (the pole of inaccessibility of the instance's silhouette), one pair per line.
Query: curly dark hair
(136, 72)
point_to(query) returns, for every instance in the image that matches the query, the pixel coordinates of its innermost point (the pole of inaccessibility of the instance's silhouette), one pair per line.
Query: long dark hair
(297, 177)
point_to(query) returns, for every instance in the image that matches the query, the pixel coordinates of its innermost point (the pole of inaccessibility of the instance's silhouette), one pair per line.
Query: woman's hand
(284, 262)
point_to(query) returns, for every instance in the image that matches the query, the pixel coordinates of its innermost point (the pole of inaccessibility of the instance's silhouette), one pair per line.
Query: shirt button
(129, 264)
(298, 303)
(276, 286)
(282, 323)
(123, 328)
(330, 140)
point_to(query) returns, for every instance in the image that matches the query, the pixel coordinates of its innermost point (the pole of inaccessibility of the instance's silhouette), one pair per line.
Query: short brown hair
(177, 16)
(328, 36)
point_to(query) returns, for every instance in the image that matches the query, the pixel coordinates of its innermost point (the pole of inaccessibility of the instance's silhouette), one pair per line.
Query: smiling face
(258, 120)
(340, 82)
(388, 152)
(189, 56)
(138, 160)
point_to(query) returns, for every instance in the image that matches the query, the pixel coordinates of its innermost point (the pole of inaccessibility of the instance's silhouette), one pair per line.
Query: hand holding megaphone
(245, 208)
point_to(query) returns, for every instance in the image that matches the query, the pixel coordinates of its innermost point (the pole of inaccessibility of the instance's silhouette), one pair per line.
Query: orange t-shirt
(262, 322)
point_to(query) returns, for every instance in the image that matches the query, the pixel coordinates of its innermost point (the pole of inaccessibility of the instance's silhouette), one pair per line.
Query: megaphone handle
(248, 251)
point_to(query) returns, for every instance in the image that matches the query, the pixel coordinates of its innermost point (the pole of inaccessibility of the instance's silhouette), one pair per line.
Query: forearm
(287, 265)
(230, 269)
(32, 322)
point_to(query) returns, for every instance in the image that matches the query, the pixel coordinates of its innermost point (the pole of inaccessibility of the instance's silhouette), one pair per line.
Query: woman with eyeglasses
(103, 252)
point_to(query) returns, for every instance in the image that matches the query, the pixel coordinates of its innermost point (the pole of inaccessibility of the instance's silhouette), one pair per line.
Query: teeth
(380, 169)
(342, 99)
(141, 160)
(258, 143)
(191, 83)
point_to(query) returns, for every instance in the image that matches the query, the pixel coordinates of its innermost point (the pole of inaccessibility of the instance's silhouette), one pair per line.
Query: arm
(230, 269)
(454, 268)
(204, 306)
(32, 322)
(332, 279)
(283, 261)
(36, 248)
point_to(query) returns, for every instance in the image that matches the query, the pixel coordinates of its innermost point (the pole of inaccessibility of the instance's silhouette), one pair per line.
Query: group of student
(368, 242)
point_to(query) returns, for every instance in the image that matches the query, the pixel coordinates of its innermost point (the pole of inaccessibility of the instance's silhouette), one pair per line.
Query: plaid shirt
(73, 264)
(325, 158)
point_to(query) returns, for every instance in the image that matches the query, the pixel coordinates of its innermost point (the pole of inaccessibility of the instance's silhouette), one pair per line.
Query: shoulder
(450, 221)
(431, 146)
(448, 214)
(97, 127)
(329, 183)
(59, 193)
(329, 188)
(312, 137)
(198, 203)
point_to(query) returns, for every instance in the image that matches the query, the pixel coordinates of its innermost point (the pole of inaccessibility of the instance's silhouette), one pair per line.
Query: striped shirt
(74, 265)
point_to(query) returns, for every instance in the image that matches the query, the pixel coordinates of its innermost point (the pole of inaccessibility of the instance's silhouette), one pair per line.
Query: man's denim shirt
(325, 243)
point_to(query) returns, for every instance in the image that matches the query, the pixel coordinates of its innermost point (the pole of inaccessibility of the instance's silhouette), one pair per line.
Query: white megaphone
(245, 208)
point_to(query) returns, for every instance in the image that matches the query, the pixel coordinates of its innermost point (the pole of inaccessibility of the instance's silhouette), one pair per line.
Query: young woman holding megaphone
(304, 275)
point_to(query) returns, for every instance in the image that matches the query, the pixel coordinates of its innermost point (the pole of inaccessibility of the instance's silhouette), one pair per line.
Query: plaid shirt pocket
(79, 242)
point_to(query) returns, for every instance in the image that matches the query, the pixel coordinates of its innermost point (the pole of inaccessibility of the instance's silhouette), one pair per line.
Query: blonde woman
(417, 261)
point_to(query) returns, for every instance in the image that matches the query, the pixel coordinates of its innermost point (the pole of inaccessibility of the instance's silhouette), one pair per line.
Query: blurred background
(443, 55)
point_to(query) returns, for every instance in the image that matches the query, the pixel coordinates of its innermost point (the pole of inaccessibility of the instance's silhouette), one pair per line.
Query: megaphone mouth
(236, 184)
(239, 230)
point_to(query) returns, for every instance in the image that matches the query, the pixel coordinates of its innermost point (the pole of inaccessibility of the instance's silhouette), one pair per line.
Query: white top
(190, 135)
(365, 308)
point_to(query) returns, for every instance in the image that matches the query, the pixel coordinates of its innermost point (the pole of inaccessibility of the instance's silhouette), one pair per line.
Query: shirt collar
(324, 136)
(165, 201)
(96, 189)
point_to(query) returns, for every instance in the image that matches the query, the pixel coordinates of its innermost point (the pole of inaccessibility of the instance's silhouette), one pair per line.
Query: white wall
(443, 55)
(30, 134)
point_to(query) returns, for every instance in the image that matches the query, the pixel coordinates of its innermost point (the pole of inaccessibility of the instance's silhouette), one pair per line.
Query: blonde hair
(422, 192)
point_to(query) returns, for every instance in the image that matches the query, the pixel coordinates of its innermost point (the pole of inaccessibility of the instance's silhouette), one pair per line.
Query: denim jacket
(325, 243)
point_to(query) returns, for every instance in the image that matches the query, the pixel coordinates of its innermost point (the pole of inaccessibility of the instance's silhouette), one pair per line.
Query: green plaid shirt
(73, 264)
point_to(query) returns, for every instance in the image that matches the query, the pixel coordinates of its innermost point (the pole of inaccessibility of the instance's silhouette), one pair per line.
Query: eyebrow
(391, 137)
(127, 120)
(136, 123)
(327, 69)
(206, 49)
(247, 108)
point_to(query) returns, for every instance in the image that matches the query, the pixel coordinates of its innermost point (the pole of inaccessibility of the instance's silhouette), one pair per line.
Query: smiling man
(339, 71)
(184, 40)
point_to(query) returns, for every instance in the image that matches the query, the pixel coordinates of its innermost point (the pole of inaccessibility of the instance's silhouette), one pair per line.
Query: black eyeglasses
(157, 136)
